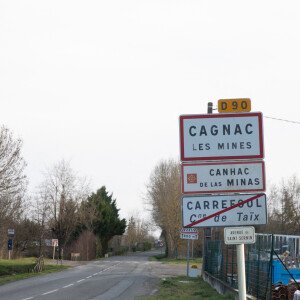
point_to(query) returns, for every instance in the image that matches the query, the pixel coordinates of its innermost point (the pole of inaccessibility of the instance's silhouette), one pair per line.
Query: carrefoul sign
(221, 136)
(224, 210)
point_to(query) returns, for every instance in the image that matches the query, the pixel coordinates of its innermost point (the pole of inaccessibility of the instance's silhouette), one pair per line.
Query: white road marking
(66, 286)
(50, 292)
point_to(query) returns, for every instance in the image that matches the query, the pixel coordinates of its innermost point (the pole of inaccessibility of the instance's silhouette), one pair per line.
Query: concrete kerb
(222, 287)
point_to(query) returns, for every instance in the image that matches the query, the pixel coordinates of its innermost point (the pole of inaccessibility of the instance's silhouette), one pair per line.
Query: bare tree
(40, 215)
(137, 230)
(164, 197)
(284, 207)
(12, 178)
(63, 190)
(13, 182)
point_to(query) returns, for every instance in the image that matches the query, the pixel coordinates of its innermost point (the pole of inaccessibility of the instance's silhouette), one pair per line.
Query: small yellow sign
(234, 105)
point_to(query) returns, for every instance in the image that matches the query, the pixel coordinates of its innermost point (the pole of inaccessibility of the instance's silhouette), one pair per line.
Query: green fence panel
(270, 273)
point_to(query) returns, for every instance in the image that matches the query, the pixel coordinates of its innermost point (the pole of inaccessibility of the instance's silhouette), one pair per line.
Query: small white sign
(189, 233)
(221, 136)
(239, 235)
(11, 232)
(54, 242)
(189, 236)
(224, 210)
(219, 177)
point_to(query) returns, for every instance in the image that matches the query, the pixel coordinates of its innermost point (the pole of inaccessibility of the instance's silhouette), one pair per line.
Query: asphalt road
(119, 278)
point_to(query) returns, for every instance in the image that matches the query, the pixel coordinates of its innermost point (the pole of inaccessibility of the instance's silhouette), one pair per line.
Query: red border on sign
(194, 232)
(227, 115)
(225, 210)
(224, 191)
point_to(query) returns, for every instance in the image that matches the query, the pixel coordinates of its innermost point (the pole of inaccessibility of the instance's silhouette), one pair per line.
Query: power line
(295, 122)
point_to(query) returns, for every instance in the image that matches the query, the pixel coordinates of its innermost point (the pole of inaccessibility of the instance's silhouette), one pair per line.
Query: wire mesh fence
(272, 265)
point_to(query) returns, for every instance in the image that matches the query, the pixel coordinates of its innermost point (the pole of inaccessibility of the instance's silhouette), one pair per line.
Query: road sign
(220, 177)
(189, 230)
(54, 242)
(189, 233)
(234, 105)
(10, 244)
(224, 210)
(221, 136)
(11, 232)
(239, 235)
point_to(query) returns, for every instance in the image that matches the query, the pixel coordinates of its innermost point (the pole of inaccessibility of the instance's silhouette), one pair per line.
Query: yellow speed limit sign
(234, 105)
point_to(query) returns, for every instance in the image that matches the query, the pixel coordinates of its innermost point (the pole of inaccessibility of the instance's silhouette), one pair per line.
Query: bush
(147, 246)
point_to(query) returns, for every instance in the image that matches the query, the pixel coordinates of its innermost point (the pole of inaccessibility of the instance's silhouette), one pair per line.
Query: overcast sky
(102, 83)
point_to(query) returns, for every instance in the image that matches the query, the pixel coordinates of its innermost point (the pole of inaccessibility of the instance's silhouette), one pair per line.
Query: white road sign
(239, 235)
(221, 136)
(219, 177)
(189, 233)
(11, 232)
(224, 210)
(54, 242)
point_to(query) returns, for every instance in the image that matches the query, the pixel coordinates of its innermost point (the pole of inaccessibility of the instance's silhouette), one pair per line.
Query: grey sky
(102, 83)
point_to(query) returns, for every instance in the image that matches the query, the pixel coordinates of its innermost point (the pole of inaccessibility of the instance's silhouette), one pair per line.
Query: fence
(272, 265)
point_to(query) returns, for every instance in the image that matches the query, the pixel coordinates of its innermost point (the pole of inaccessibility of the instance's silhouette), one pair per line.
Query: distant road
(119, 278)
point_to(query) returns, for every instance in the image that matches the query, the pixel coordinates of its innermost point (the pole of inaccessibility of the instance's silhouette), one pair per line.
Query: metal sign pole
(188, 259)
(241, 271)
(192, 249)
(206, 231)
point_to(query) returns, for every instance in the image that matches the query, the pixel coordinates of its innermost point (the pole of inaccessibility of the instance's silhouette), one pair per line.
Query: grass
(178, 261)
(12, 270)
(182, 287)
(186, 288)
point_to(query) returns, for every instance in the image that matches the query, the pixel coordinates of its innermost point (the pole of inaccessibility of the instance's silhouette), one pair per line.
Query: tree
(106, 222)
(164, 197)
(12, 178)
(137, 231)
(13, 181)
(284, 208)
(63, 191)
(40, 215)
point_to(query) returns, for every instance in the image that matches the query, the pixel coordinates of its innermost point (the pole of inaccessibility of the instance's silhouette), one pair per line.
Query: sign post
(223, 153)
(188, 234)
(54, 244)
(188, 260)
(240, 250)
(240, 236)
